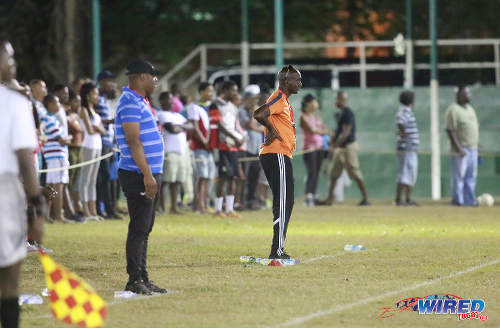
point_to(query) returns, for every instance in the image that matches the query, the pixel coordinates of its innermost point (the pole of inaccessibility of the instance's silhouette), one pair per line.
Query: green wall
(375, 110)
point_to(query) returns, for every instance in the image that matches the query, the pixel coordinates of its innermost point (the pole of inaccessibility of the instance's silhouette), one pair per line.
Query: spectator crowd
(211, 147)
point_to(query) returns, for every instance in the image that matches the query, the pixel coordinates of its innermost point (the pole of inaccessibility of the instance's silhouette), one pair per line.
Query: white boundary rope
(242, 159)
(74, 166)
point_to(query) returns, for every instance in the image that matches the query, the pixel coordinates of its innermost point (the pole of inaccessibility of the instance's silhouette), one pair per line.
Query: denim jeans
(463, 178)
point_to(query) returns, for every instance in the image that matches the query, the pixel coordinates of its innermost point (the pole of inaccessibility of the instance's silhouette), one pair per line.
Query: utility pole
(96, 36)
(278, 34)
(245, 51)
(409, 45)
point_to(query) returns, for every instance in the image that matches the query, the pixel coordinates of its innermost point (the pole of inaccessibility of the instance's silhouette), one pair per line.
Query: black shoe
(364, 202)
(274, 256)
(400, 203)
(77, 218)
(138, 287)
(412, 203)
(154, 288)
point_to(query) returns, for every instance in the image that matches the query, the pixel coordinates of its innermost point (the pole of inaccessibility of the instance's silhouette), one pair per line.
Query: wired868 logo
(440, 304)
(464, 308)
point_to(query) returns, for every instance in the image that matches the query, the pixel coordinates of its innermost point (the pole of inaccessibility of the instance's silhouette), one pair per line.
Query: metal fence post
(362, 62)
(409, 65)
(203, 63)
(497, 62)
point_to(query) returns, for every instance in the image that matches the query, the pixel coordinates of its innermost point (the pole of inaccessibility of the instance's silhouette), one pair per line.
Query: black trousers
(253, 171)
(142, 219)
(104, 186)
(279, 174)
(312, 162)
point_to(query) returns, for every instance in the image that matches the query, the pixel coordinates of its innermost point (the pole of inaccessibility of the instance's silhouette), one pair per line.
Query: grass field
(410, 252)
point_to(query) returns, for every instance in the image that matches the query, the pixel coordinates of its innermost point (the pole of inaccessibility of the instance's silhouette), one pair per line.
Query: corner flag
(72, 300)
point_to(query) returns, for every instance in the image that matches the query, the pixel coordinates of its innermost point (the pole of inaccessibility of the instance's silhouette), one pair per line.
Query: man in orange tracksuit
(276, 153)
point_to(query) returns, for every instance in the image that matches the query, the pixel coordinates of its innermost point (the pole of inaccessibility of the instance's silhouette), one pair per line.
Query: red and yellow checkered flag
(72, 300)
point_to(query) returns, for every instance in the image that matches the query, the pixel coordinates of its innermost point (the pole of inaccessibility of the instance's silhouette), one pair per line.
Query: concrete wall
(375, 110)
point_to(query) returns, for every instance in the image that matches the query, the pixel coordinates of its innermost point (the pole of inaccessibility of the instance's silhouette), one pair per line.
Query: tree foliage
(164, 31)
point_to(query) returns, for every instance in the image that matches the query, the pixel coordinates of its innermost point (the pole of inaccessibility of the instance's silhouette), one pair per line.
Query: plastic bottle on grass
(125, 294)
(247, 259)
(30, 299)
(354, 248)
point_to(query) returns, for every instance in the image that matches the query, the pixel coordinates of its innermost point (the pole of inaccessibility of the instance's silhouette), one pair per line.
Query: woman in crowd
(76, 130)
(313, 128)
(91, 149)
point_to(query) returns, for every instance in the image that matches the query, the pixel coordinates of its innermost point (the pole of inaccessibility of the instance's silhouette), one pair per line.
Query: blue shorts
(204, 164)
(407, 167)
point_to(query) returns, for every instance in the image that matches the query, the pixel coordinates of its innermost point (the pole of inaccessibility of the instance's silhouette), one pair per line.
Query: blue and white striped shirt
(406, 118)
(52, 129)
(102, 108)
(132, 107)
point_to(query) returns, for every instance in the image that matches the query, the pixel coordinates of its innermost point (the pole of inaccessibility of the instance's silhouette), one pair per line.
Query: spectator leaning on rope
(91, 149)
(140, 169)
(55, 152)
(228, 142)
(75, 129)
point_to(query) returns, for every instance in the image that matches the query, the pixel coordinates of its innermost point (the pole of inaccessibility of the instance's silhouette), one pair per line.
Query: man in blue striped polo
(140, 169)
(407, 145)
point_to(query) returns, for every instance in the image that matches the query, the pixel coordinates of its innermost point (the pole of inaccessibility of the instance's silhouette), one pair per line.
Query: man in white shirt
(17, 143)
(204, 165)
(174, 127)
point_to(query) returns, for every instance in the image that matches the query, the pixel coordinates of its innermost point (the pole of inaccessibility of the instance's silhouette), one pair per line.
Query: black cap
(141, 66)
(105, 75)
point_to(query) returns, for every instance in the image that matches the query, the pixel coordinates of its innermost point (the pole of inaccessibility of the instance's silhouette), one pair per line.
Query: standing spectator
(175, 142)
(187, 187)
(312, 125)
(91, 149)
(204, 165)
(345, 150)
(77, 83)
(407, 142)
(263, 190)
(206, 91)
(177, 104)
(75, 130)
(55, 151)
(17, 143)
(38, 92)
(462, 127)
(140, 168)
(61, 91)
(255, 131)
(239, 198)
(276, 153)
(228, 142)
(107, 92)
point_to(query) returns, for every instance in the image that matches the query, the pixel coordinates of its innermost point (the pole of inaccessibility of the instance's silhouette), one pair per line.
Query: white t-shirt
(17, 129)
(92, 141)
(173, 142)
(196, 112)
(63, 120)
